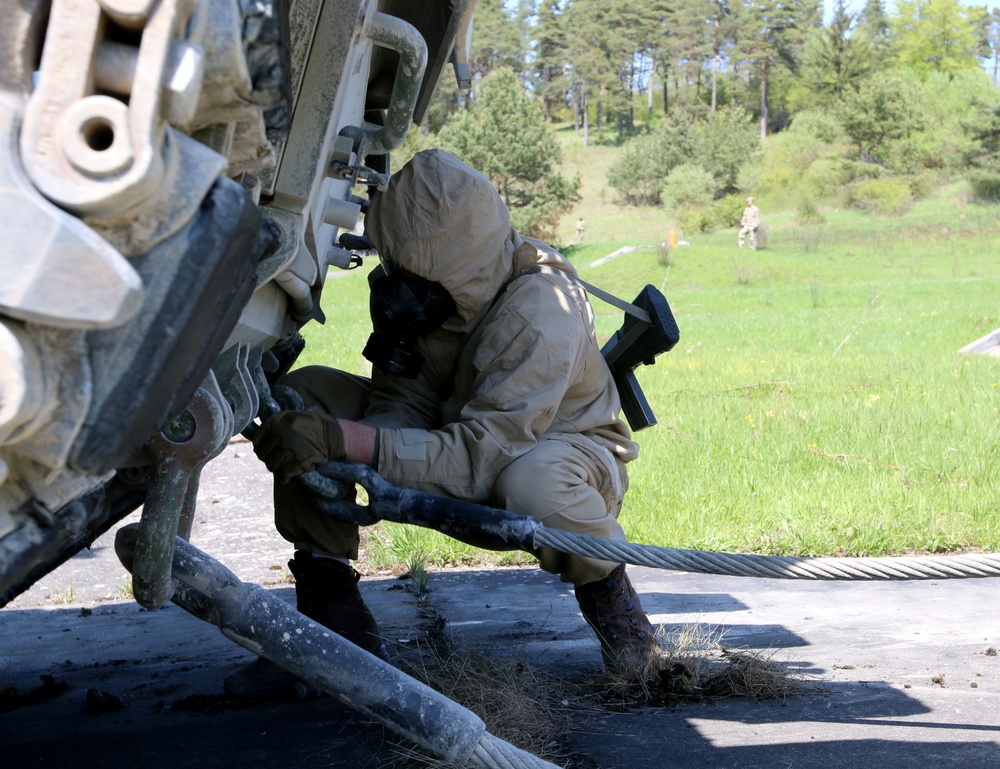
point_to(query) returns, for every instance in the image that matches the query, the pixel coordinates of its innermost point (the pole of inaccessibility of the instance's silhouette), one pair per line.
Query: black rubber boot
(612, 608)
(326, 591)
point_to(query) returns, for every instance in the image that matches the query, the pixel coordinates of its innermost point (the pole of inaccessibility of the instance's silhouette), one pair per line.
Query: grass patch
(62, 596)
(124, 590)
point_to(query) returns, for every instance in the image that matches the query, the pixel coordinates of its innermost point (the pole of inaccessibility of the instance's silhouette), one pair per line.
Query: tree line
(724, 95)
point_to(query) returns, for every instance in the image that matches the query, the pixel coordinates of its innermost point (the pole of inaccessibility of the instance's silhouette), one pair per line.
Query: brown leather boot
(327, 592)
(612, 608)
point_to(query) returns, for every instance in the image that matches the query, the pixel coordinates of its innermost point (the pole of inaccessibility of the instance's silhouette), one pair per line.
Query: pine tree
(768, 45)
(992, 29)
(835, 58)
(550, 53)
(590, 69)
(936, 35)
(875, 115)
(498, 39)
(873, 27)
(504, 135)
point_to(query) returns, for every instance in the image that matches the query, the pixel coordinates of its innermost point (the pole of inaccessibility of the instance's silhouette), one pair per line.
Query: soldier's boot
(612, 608)
(327, 592)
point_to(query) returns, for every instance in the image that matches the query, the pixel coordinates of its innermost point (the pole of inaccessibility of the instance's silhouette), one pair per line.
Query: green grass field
(817, 402)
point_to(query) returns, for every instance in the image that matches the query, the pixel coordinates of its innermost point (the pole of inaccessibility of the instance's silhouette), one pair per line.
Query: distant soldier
(580, 227)
(750, 222)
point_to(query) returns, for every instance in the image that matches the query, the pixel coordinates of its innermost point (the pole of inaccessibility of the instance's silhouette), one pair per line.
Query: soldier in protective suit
(488, 385)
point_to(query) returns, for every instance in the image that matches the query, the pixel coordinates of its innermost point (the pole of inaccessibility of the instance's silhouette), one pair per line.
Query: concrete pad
(907, 673)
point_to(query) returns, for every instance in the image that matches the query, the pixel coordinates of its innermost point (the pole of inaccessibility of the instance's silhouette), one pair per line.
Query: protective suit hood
(443, 220)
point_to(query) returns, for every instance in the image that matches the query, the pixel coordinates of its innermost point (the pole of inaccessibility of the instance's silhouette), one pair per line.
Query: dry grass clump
(517, 702)
(532, 710)
(692, 665)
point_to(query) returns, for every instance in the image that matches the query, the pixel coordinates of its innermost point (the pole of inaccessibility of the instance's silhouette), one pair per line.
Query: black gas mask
(403, 307)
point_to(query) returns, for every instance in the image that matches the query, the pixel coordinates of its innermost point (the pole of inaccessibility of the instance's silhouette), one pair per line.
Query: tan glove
(294, 442)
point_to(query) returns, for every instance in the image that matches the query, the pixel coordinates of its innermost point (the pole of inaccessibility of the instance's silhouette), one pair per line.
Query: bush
(822, 180)
(986, 187)
(638, 176)
(859, 171)
(808, 212)
(883, 197)
(729, 210)
(819, 124)
(688, 186)
(762, 235)
(664, 254)
(721, 145)
(696, 220)
(921, 184)
(724, 143)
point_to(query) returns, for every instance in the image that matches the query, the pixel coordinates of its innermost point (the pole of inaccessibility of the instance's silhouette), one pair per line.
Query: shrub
(762, 236)
(859, 171)
(724, 143)
(696, 220)
(729, 210)
(819, 124)
(808, 212)
(822, 180)
(664, 254)
(883, 197)
(921, 184)
(638, 176)
(721, 145)
(986, 187)
(688, 186)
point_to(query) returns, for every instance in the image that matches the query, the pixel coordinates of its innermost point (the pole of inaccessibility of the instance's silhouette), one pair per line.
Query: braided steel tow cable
(773, 566)
(494, 753)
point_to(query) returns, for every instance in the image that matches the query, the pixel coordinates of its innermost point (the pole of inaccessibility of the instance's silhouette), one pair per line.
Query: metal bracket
(394, 33)
(180, 452)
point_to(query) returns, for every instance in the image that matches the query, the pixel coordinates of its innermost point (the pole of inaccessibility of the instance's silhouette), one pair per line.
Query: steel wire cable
(494, 753)
(773, 566)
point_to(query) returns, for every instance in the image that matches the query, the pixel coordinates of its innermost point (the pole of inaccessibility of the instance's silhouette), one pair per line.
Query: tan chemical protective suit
(514, 407)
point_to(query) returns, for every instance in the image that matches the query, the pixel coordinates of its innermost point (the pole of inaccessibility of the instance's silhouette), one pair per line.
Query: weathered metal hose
(269, 627)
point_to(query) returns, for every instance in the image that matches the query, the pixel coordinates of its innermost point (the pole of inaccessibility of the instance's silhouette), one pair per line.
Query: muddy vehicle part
(174, 178)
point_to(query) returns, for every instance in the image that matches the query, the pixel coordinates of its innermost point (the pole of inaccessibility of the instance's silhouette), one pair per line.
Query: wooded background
(713, 100)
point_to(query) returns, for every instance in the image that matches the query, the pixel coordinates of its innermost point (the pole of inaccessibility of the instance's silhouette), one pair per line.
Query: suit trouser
(567, 484)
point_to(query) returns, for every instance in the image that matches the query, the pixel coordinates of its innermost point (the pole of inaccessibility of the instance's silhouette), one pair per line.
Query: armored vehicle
(175, 176)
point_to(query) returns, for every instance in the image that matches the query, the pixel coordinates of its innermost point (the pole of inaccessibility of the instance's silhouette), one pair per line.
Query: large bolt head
(183, 88)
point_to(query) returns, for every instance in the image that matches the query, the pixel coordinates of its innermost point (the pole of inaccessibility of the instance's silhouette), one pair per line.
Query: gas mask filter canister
(403, 308)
